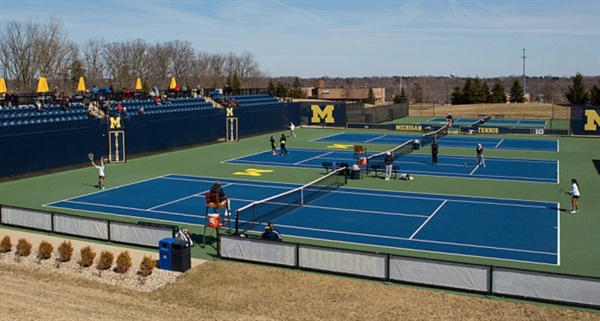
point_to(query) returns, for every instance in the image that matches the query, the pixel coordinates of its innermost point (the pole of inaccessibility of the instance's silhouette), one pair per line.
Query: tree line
(31, 50)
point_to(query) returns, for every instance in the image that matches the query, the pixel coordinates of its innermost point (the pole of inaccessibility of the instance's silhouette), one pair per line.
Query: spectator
(38, 105)
(119, 108)
(271, 233)
(15, 97)
(8, 99)
(86, 99)
(95, 92)
(65, 104)
(90, 115)
(141, 112)
(165, 100)
(157, 100)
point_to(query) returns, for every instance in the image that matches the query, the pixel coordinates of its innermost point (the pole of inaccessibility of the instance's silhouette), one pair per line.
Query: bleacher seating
(28, 115)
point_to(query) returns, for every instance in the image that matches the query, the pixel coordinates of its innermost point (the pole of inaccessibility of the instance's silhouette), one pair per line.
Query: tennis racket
(91, 156)
(563, 191)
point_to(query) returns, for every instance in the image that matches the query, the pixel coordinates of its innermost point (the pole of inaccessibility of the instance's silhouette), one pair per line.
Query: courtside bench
(380, 168)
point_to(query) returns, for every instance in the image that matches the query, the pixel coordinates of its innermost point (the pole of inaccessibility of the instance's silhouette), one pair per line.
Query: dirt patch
(220, 290)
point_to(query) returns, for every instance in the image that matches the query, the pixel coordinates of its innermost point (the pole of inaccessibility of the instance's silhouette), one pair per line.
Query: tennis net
(256, 213)
(428, 138)
(397, 152)
(481, 121)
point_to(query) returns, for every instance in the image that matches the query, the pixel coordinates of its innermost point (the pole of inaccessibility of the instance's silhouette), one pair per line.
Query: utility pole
(524, 85)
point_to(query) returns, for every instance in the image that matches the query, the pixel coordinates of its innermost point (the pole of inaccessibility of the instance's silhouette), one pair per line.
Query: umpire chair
(216, 203)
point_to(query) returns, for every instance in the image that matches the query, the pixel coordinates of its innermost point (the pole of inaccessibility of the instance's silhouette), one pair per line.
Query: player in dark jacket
(271, 233)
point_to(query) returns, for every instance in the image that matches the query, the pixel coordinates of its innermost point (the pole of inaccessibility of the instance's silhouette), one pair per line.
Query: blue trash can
(165, 251)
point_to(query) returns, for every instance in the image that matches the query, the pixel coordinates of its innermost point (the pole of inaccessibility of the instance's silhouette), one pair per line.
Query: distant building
(319, 91)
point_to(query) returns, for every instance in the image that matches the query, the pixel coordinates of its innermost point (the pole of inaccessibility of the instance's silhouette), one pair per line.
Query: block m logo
(592, 120)
(325, 114)
(115, 122)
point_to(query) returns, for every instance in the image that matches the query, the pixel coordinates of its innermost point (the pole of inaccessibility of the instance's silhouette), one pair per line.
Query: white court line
(474, 170)
(420, 241)
(309, 159)
(324, 137)
(376, 138)
(427, 220)
(500, 142)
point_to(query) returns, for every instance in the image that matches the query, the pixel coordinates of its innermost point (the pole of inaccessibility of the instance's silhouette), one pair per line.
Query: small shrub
(23, 248)
(105, 260)
(65, 251)
(87, 256)
(123, 262)
(5, 245)
(147, 266)
(45, 250)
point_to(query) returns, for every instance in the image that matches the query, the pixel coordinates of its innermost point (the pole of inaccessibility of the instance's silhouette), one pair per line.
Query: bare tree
(92, 62)
(182, 60)
(18, 53)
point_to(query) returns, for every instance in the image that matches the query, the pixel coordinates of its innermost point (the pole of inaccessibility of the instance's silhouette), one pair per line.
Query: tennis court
(489, 122)
(508, 229)
(528, 170)
(451, 141)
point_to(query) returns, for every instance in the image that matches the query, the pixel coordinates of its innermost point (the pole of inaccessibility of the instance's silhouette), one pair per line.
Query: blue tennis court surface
(515, 230)
(529, 170)
(453, 141)
(490, 122)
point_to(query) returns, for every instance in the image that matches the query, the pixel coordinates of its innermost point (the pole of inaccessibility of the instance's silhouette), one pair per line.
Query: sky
(350, 38)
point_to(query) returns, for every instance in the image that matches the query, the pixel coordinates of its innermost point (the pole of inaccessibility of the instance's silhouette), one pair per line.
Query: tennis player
(389, 162)
(574, 195)
(273, 146)
(282, 145)
(479, 151)
(434, 152)
(100, 172)
(292, 128)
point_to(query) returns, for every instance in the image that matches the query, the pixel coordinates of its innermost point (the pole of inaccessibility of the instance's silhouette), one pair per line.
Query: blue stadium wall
(585, 120)
(44, 147)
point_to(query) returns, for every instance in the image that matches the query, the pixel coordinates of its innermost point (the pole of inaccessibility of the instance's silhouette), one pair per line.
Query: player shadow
(90, 185)
(558, 209)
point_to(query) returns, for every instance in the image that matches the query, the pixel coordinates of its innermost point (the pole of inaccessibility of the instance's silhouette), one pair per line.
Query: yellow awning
(2, 86)
(42, 85)
(138, 84)
(81, 85)
(173, 83)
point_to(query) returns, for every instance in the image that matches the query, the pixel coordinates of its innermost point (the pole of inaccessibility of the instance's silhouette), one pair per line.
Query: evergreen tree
(577, 95)
(498, 95)
(516, 93)
(468, 92)
(281, 90)
(296, 91)
(401, 97)
(236, 83)
(371, 98)
(484, 93)
(457, 96)
(271, 89)
(595, 95)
